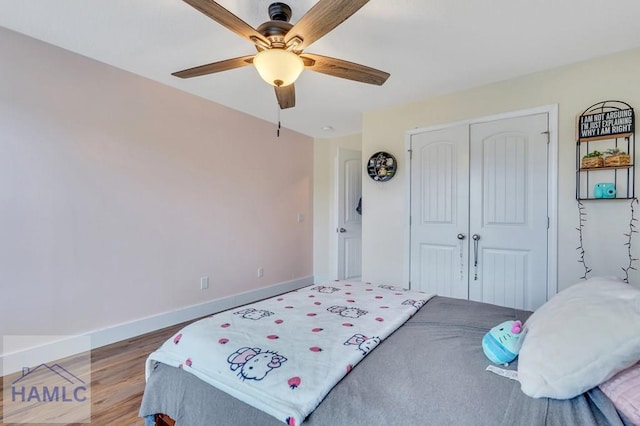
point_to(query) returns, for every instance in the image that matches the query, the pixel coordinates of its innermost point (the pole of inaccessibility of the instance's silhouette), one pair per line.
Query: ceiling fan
(280, 44)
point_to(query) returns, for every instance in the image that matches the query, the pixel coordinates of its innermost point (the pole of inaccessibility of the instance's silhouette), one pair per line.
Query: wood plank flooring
(117, 378)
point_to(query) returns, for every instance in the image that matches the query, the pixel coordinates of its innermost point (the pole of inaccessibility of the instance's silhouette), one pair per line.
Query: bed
(431, 370)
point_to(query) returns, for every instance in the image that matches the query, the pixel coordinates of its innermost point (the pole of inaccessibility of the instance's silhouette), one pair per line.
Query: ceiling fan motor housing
(279, 26)
(274, 28)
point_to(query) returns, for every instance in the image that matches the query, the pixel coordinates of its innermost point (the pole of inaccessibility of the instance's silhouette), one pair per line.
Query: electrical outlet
(204, 283)
(260, 272)
(300, 218)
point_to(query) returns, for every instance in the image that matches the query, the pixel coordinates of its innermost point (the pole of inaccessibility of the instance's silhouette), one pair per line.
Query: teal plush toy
(502, 343)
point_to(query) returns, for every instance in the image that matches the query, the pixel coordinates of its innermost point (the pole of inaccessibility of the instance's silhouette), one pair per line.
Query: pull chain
(278, 129)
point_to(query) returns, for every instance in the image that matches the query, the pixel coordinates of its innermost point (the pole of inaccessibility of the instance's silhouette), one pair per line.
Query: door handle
(476, 239)
(461, 236)
(341, 230)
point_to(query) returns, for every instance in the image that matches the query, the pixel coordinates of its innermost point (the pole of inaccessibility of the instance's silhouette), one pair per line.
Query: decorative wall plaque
(381, 166)
(605, 120)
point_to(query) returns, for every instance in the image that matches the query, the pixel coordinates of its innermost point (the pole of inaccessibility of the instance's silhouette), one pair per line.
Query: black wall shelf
(601, 127)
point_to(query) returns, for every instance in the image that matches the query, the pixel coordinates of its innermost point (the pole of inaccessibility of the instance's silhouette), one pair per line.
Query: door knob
(461, 236)
(341, 230)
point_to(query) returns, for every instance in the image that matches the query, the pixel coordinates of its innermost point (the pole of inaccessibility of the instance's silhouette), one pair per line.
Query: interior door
(508, 205)
(349, 220)
(440, 211)
(487, 180)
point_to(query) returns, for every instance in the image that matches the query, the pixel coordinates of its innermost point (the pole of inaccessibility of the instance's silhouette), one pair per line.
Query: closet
(478, 205)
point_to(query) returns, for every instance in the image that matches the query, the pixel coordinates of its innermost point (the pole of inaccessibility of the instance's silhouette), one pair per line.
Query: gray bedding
(431, 371)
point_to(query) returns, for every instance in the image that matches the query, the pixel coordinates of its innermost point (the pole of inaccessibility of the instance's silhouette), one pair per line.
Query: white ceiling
(430, 47)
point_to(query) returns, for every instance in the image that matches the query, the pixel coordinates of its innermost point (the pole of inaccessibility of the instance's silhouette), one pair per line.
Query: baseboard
(67, 345)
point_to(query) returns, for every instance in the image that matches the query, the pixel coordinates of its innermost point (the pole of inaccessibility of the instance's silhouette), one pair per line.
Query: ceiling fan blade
(345, 69)
(324, 16)
(286, 96)
(214, 67)
(227, 19)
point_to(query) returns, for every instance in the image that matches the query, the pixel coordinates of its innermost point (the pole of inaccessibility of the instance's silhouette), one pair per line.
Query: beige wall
(117, 194)
(324, 202)
(573, 88)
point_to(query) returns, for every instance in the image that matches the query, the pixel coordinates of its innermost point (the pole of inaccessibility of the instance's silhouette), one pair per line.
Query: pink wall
(117, 194)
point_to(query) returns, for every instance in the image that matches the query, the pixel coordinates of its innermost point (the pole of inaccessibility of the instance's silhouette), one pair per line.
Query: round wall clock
(381, 166)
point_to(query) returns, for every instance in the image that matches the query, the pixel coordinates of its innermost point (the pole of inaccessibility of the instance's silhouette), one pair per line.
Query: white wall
(573, 88)
(117, 194)
(324, 203)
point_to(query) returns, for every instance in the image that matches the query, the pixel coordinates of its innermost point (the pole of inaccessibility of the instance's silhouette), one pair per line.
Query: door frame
(552, 186)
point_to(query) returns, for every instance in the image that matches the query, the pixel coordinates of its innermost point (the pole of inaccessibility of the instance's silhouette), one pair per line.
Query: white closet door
(508, 210)
(487, 179)
(440, 211)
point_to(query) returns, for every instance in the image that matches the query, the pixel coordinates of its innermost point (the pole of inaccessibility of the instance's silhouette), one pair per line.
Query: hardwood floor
(117, 379)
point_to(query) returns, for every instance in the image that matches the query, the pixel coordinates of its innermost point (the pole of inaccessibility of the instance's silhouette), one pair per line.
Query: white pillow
(580, 338)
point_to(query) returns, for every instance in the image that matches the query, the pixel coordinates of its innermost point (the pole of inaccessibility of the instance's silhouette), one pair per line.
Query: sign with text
(606, 124)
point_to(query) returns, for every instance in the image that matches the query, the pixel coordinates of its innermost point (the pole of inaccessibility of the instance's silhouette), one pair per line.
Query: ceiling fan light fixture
(278, 67)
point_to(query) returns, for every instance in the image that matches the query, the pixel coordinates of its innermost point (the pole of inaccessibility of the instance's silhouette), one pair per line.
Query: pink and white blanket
(284, 354)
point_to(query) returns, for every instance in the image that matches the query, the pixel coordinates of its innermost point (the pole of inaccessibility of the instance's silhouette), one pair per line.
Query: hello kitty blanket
(283, 355)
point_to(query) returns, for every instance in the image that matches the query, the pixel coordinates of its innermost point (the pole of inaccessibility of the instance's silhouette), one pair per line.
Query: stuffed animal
(502, 343)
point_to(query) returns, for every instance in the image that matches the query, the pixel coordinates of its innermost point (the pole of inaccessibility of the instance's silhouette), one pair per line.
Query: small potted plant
(614, 157)
(592, 160)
